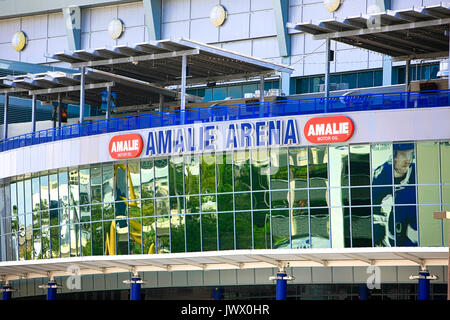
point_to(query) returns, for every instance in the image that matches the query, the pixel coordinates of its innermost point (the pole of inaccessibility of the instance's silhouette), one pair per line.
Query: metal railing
(381, 101)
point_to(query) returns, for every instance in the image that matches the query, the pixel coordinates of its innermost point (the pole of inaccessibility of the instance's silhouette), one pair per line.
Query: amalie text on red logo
(125, 146)
(328, 129)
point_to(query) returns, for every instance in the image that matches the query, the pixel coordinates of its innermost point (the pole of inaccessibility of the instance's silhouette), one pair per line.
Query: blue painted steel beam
(72, 22)
(281, 11)
(153, 13)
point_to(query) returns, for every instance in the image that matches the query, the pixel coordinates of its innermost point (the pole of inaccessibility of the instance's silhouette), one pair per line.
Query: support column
(108, 102)
(161, 102)
(51, 287)
(183, 87)
(282, 278)
(327, 74)
(59, 110)
(5, 117)
(7, 291)
(445, 215)
(82, 94)
(363, 292)
(136, 283)
(261, 96)
(424, 283)
(33, 113)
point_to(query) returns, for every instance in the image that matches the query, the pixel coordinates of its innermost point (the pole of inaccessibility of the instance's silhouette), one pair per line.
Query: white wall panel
(236, 27)
(101, 16)
(85, 20)
(85, 41)
(56, 26)
(245, 276)
(202, 8)
(175, 30)
(265, 48)
(313, 46)
(353, 59)
(164, 279)
(403, 274)
(121, 277)
(204, 31)
(195, 278)
(342, 275)
(314, 64)
(227, 277)
(35, 27)
(262, 275)
(99, 281)
(321, 275)
(262, 24)
(35, 51)
(295, 16)
(244, 46)
(406, 4)
(211, 277)
(7, 51)
(8, 28)
(261, 4)
(297, 44)
(349, 8)
(57, 44)
(179, 278)
(132, 14)
(302, 275)
(101, 39)
(315, 12)
(175, 10)
(132, 36)
(236, 6)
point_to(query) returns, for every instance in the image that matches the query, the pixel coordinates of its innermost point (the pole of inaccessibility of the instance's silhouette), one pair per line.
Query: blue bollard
(135, 289)
(217, 293)
(51, 291)
(424, 285)
(7, 293)
(363, 292)
(281, 286)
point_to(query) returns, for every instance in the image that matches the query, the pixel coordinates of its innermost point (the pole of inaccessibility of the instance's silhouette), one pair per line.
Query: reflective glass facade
(334, 196)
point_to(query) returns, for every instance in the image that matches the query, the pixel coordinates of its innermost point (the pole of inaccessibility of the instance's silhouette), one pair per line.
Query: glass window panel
(134, 180)
(177, 223)
(122, 236)
(242, 201)
(302, 85)
(14, 250)
(318, 197)
(29, 242)
(192, 204)
(280, 229)
(54, 217)
(176, 176)
(149, 235)
(96, 184)
(161, 178)
(22, 244)
(74, 191)
(209, 203)
(318, 162)
(445, 193)
(109, 238)
(14, 224)
(280, 199)
(361, 227)
(320, 228)
(404, 163)
(176, 205)
(359, 165)
(13, 193)
(28, 196)
(36, 220)
(36, 196)
(74, 215)
(85, 190)
(54, 234)
(383, 225)
(44, 193)
(315, 83)
(405, 194)
(360, 196)
(226, 230)
(235, 92)
(339, 197)
(365, 79)
(445, 158)
(162, 206)
(446, 226)
(45, 236)
(120, 182)
(148, 208)
(405, 226)
(108, 211)
(299, 198)
(20, 198)
(224, 172)
(381, 164)
(147, 176)
(249, 88)
(135, 236)
(243, 230)
(260, 169)
(340, 227)
(241, 161)
(261, 229)
(261, 200)
(45, 218)
(193, 233)
(351, 79)
(208, 173)
(219, 93)
(85, 213)
(63, 215)
(86, 246)
(428, 162)
(225, 202)
(192, 171)
(121, 210)
(134, 209)
(96, 212)
(75, 240)
(430, 228)
(65, 241)
(63, 184)
(339, 166)
(97, 238)
(378, 78)
(209, 232)
(108, 183)
(427, 194)
(278, 169)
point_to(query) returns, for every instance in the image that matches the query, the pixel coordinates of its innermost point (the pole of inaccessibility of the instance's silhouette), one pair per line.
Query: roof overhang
(416, 33)
(220, 260)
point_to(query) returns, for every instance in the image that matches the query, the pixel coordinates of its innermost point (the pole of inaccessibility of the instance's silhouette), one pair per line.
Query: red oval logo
(125, 146)
(328, 129)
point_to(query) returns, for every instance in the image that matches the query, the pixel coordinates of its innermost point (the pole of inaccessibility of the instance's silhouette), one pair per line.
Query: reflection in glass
(224, 172)
(360, 196)
(225, 221)
(225, 202)
(260, 169)
(381, 164)
(96, 212)
(75, 245)
(36, 197)
(405, 226)
(209, 232)
(108, 211)
(243, 230)
(208, 174)
(162, 206)
(63, 184)
(191, 174)
(242, 201)
(97, 238)
(209, 203)
(340, 227)
(149, 235)
(96, 184)
(338, 166)
(318, 197)
(361, 227)
(280, 199)
(176, 176)
(445, 158)
(278, 169)
(65, 241)
(20, 198)
(192, 204)
(176, 205)
(320, 228)
(177, 226)
(193, 241)
(134, 208)
(241, 160)
(147, 176)
(73, 188)
(261, 230)
(280, 229)
(134, 180)
(148, 208)
(108, 183)
(318, 162)
(54, 235)
(360, 165)
(13, 194)
(109, 238)
(430, 228)
(135, 236)
(44, 193)
(86, 239)
(121, 210)
(85, 191)
(85, 212)
(161, 178)
(298, 164)
(261, 200)
(45, 242)
(120, 182)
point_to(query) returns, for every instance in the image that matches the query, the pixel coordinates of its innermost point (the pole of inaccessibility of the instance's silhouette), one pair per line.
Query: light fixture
(218, 15)
(331, 5)
(115, 28)
(19, 40)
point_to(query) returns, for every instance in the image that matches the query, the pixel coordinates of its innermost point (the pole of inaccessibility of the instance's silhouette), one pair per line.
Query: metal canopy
(160, 62)
(215, 260)
(48, 86)
(417, 33)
